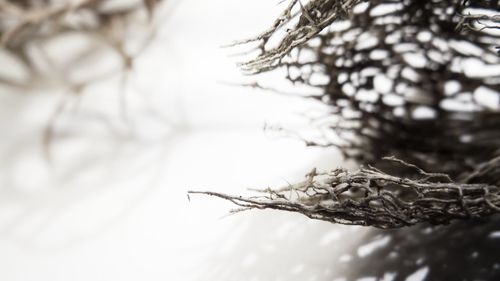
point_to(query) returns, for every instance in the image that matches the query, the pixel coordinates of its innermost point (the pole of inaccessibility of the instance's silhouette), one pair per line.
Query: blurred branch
(27, 23)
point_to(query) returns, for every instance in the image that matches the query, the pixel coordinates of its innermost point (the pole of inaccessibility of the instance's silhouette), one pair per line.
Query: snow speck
(418, 275)
(369, 248)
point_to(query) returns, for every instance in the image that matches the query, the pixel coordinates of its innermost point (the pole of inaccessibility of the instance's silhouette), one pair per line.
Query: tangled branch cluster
(398, 77)
(419, 80)
(29, 24)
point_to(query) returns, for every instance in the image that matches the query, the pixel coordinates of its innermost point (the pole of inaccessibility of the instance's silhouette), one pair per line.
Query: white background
(113, 206)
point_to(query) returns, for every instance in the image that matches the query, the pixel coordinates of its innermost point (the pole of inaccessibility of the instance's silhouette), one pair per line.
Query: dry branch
(314, 17)
(371, 197)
